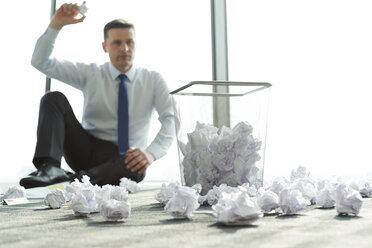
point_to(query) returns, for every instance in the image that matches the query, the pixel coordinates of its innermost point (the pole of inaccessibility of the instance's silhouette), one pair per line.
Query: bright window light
(318, 56)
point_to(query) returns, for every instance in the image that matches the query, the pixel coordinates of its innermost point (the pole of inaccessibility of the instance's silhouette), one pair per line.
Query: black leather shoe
(47, 174)
(69, 173)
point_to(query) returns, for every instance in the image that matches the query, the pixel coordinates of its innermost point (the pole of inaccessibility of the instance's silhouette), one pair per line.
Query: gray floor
(33, 225)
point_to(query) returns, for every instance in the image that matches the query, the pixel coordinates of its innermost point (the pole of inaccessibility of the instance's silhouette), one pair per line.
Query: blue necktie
(123, 117)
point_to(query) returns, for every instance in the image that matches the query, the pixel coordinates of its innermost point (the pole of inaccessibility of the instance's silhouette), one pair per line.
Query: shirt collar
(115, 73)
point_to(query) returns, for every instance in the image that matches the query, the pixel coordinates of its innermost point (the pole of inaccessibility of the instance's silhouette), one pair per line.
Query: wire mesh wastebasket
(221, 132)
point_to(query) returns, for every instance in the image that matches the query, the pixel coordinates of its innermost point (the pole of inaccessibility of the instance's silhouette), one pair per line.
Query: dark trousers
(59, 134)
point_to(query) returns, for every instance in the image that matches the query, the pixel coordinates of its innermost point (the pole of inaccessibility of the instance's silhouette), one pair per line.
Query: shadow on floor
(347, 217)
(231, 228)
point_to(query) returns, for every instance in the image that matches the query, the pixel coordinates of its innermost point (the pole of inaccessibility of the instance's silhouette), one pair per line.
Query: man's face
(120, 46)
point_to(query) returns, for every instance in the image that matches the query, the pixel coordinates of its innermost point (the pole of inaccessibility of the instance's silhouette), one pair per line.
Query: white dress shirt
(147, 91)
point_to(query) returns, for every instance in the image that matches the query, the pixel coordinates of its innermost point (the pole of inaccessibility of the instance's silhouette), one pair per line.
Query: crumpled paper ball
(119, 193)
(278, 185)
(83, 9)
(102, 195)
(292, 201)
(225, 156)
(76, 186)
(251, 189)
(348, 200)
(237, 208)
(268, 201)
(113, 210)
(110, 192)
(363, 187)
(183, 203)
(130, 185)
(307, 187)
(55, 199)
(111, 201)
(365, 190)
(167, 192)
(326, 197)
(84, 203)
(73, 188)
(300, 172)
(83, 196)
(197, 187)
(214, 194)
(15, 192)
(203, 200)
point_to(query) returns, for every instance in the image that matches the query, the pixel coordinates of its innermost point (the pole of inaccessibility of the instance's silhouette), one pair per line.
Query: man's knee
(138, 177)
(53, 97)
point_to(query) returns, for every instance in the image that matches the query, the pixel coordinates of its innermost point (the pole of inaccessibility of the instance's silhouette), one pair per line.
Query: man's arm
(139, 160)
(44, 61)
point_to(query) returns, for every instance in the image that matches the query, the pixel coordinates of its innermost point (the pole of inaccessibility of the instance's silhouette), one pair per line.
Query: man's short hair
(117, 23)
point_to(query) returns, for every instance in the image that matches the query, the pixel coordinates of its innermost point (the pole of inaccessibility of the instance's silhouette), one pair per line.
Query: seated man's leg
(110, 172)
(55, 115)
(104, 166)
(61, 134)
(99, 159)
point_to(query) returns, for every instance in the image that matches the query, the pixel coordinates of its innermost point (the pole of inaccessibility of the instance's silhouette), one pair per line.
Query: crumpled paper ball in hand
(292, 201)
(55, 199)
(83, 9)
(237, 208)
(130, 185)
(348, 200)
(113, 210)
(183, 203)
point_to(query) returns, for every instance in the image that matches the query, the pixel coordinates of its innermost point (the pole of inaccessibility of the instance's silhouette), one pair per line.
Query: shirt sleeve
(62, 70)
(163, 103)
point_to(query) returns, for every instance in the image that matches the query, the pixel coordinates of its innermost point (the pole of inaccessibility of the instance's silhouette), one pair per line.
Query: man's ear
(104, 47)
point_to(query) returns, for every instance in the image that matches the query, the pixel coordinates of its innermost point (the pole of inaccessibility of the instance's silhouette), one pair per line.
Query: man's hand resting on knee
(138, 160)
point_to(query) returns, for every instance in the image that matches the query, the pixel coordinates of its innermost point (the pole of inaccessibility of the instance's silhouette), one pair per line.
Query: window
(21, 87)
(317, 55)
(173, 37)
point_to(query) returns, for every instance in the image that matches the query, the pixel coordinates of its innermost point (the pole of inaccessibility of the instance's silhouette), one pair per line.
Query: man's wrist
(55, 26)
(151, 156)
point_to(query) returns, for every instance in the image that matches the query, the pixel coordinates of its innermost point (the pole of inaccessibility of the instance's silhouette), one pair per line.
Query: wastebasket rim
(223, 83)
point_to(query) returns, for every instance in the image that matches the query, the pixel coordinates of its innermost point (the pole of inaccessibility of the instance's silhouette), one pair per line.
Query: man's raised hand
(65, 15)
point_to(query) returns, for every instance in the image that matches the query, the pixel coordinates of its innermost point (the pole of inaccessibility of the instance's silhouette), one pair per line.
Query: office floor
(33, 225)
